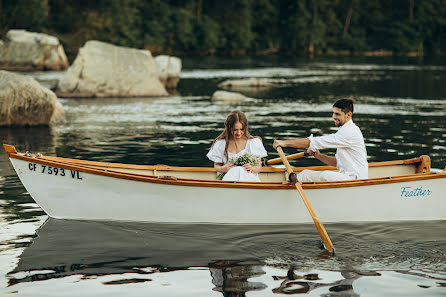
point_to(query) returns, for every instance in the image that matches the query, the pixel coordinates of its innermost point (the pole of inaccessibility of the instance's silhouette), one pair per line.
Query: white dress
(253, 146)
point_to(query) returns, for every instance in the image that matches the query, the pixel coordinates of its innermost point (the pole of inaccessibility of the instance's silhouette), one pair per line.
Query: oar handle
(289, 157)
(284, 159)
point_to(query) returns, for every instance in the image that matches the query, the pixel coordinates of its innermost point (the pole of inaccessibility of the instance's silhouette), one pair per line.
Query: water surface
(401, 109)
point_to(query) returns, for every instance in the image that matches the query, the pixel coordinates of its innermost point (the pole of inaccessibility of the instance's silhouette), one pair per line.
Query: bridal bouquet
(246, 158)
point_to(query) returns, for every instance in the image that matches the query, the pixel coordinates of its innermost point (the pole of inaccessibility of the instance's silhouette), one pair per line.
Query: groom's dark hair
(345, 104)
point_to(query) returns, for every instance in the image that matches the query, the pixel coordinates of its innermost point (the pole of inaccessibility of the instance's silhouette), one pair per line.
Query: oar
(289, 157)
(320, 228)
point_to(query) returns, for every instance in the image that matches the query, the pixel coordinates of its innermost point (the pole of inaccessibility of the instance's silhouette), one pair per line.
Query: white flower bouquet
(246, 158)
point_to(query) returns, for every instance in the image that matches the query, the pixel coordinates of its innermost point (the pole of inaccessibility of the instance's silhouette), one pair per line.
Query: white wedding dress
(253, 146)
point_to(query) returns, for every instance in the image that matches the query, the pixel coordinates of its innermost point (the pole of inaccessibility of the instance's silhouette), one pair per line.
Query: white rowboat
(86, 190)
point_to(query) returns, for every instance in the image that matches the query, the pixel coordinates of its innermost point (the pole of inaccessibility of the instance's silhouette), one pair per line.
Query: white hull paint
(87, 196)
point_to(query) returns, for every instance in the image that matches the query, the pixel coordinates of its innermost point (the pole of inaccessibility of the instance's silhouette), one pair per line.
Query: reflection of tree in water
(231, 277)
(302, 284)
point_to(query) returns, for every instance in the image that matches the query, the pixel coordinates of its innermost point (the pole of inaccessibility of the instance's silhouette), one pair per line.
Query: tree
(265, 26)
(208, 34)
(236, 26)
(30, 15)
(235, 21)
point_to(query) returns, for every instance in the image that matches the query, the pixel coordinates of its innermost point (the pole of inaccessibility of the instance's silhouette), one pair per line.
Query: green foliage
(237, 26)
(208, 34)
(235, 21)
(265, 25)
(31, 15)
(155, 23)
(117, 22)
(183, 24)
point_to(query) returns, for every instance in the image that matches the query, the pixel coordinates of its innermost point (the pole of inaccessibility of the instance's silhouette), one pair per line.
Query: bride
(234, 142)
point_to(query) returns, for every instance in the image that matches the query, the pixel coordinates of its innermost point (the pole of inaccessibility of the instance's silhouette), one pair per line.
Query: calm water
(401, 109)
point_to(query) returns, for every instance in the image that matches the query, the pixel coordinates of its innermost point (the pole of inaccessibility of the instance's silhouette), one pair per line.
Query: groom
(351, 154)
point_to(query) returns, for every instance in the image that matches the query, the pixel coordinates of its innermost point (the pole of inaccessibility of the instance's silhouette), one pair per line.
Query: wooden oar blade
(328, 245)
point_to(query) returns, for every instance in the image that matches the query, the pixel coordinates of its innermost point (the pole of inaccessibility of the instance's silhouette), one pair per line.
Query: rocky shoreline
(99, 70)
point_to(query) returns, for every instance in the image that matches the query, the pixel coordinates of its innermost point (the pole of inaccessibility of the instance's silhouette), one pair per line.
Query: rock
(105, 70)
(58, 114)
(24, 102)
(169, 70)
(245, 83)
(28, 51)
(227, 96)
(48, 79)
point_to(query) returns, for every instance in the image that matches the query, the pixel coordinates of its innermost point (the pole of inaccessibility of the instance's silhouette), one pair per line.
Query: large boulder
(58, 114)
(105, 70)
(169, 70)
(28, 51)
(24, 102)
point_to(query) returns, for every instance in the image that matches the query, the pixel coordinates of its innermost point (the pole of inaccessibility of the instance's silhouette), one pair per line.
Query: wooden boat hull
(71, 191)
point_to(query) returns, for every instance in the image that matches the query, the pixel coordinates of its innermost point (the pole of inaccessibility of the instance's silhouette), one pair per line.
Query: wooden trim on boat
(210, 169)
(151, 178)
(373, 181)
(9, 149)
(167, 167)
(126, 166)
(225, 184)
(424, 160)
(425, 164)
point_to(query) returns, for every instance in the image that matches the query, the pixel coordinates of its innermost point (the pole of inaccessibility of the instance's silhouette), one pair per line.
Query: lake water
(401, 109)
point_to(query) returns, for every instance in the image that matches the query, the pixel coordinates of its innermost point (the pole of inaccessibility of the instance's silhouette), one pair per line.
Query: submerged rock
(105, 70)
(245, 83)
(169, 70)
(227, 96)
(24, 102)
(29, 51)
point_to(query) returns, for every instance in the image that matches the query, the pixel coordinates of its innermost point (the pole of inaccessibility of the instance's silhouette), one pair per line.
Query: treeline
(238, 26)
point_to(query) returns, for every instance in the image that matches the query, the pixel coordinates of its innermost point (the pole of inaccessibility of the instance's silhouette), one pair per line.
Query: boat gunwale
(210, 169)
(227, 184)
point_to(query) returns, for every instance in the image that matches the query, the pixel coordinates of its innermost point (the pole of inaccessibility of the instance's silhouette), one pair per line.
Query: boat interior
(270, 174)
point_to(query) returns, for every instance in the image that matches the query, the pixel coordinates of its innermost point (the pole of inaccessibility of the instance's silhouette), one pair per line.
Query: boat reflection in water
(235, 256)
(231, 279)
(65, 247)
(299, 284)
